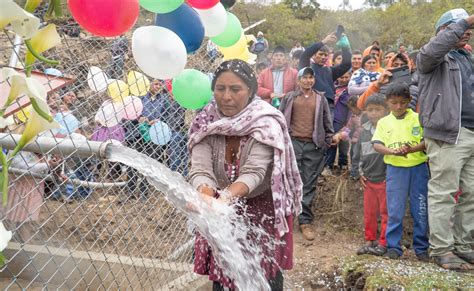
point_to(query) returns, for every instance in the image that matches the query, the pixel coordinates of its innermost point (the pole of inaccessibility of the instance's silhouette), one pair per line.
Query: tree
(303, 9)
(379, 3)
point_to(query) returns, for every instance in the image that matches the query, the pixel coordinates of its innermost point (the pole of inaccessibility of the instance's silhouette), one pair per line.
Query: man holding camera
(447, 114)
(326, 76)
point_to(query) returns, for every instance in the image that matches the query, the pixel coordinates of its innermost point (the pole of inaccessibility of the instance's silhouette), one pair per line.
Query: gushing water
(224, 229)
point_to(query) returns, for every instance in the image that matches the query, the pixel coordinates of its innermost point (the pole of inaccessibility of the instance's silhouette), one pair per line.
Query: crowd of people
(400, 123)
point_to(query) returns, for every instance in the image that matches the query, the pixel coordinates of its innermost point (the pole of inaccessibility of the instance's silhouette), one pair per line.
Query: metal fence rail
(86, 223)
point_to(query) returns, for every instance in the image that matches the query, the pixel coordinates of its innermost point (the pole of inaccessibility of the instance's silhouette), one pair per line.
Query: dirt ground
(338, 224)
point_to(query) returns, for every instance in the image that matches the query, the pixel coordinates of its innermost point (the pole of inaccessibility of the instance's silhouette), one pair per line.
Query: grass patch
(372, 272)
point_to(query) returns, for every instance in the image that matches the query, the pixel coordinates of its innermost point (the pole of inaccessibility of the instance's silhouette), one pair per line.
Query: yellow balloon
(139, 83)
(118, 90)
(244, 56)
(237, 49)
(24, 114)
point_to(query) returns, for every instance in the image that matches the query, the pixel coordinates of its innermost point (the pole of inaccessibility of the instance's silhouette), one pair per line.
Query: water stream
(224, 229)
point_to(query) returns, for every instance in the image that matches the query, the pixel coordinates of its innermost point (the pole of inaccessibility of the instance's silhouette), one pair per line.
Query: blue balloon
(160, 133)
(185, 22)
(68, 122)
(54, 72)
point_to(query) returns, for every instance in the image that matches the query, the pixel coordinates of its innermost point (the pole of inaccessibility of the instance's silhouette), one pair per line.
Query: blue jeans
(402, 183)
(178, 153)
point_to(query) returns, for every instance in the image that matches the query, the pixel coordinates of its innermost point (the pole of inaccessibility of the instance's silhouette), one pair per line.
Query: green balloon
(231, 33)
(161, 6)
(192, 89)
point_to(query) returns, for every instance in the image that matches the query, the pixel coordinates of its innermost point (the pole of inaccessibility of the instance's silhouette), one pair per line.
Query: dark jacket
(325, 76)
(323, 130)
(439, 85)
(371, 164)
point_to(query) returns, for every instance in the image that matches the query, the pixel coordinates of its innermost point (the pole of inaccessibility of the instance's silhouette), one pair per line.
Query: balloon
(53, 72)
(236, 50)
(248, 57)
(192, 89)
(160, 133)
(244, 56)
(105, 17)
(213, 19)
(169, 85)
(117, 90)
(161, 6)
(158, 52)
(97, 79)
(231, 33)
(227, 3)
(68, 122)
(133, 107)
(138, 83)
(202, 4)
(109, 114)
(185, 22)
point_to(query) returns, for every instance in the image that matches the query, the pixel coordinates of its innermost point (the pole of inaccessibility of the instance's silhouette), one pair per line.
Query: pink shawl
(267, 125)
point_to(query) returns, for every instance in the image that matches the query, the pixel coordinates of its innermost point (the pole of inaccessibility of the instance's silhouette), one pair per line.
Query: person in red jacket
(278, 79)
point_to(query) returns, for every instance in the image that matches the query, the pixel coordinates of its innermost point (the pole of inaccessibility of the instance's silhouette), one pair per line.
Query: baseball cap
(451, 16)
(305, 71)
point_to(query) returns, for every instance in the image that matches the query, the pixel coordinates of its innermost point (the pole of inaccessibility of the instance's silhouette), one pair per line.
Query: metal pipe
(63, 146)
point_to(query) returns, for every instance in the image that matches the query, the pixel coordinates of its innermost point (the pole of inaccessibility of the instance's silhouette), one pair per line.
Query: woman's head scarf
(241, 69)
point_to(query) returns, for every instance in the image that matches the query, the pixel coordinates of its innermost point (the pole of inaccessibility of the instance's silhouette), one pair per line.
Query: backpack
(259, 47)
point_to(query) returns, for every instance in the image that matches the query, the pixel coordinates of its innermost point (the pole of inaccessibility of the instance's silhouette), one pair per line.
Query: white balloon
(97, 79)
(109, 114)
(214, 19)
(158, 51)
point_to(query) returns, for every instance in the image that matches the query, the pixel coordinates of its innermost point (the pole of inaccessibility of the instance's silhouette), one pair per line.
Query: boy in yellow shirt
(399, 138)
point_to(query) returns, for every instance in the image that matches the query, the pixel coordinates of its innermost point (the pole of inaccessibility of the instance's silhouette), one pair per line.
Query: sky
(335, 4)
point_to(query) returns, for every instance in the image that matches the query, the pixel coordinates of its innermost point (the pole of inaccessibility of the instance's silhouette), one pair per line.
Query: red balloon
(202, 4)
(169, 85)
(105, 17)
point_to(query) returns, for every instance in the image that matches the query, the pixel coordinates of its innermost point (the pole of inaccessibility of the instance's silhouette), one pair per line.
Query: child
(353, 125)
(372, 178)
(351, 132)
(399, 138)
(342, 115)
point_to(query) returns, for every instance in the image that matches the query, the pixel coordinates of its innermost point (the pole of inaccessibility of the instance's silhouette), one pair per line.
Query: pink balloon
(202, 4)
(109, 114)
(105, 17)
(133, 107)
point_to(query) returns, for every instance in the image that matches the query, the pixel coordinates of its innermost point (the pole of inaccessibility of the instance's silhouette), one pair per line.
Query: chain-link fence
(79, 222)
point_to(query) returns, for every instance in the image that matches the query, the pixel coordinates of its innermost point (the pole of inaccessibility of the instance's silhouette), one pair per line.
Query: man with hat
(277, 80)
(259, 46)
(316, 57)
(446, 99)
(310, 126)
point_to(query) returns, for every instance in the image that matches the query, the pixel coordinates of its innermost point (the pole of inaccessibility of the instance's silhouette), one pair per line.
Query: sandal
(378, 250)
(366, 249)
(468, 257)
(452, 262)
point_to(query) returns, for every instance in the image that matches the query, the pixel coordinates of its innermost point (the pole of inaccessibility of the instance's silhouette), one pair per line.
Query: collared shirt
(153, 106)
(395, 133)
